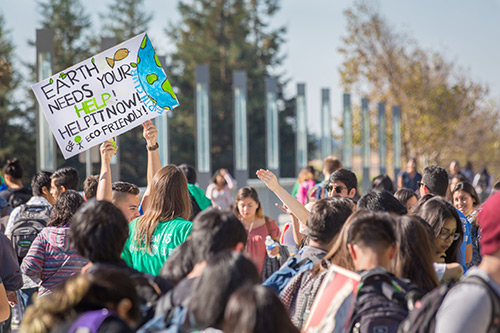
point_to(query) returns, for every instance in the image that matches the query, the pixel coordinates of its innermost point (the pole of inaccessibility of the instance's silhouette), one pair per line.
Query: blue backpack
(172, 322)
(279, 279)
(170, 317)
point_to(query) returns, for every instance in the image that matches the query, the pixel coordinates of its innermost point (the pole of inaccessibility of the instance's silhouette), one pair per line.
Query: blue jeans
(27, 296)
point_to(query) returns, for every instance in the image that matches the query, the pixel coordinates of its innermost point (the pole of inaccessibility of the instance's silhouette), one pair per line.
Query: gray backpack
(30, 221)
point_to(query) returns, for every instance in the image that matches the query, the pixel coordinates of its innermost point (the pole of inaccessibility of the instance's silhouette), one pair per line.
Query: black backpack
(30, 221)
(382, 302)
(423, 317)
(19, 197)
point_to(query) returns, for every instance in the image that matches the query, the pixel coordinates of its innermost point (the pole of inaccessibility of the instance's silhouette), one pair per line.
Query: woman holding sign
(164, 226)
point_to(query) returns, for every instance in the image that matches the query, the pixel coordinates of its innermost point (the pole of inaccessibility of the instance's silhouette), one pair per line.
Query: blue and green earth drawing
(152, 77)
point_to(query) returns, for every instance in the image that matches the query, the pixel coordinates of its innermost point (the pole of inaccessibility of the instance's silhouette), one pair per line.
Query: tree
(440, 103)
(228, 35)
(123, 20)
(71, 24)
(17, 134)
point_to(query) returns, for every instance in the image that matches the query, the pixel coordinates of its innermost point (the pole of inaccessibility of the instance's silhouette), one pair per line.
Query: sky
(466, 32)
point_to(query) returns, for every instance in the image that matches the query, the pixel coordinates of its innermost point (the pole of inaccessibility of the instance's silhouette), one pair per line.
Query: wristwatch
(154, 147)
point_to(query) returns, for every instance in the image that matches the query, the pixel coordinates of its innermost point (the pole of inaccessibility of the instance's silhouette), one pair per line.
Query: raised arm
(293, 204)
(104, 189)
(150, 133)
(231, 183)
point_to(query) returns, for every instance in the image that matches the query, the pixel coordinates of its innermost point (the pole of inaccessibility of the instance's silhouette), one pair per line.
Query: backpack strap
(298, 264)
(268, 227)
(494, 325)
(384, 282)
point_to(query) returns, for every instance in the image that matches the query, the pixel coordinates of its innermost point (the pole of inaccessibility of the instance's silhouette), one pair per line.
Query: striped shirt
(52, 258)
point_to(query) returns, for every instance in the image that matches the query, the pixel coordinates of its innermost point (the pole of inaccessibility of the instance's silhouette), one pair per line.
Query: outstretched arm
(293, 204)
(104, 189)
(150, 133)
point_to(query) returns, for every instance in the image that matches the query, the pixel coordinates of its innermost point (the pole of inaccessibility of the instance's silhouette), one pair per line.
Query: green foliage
(71, 24)
(125, 19)
(228, 35)
(440, 103)
(17, 134)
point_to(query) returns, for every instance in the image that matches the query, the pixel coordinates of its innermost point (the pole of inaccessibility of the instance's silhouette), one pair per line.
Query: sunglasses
(337, 189)
(445, 235)
(420, 184)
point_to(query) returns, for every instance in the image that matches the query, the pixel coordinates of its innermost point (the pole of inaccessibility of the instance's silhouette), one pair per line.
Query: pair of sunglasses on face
(337, 189)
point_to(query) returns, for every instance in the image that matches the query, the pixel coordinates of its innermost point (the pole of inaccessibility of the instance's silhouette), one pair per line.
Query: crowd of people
(181, 259)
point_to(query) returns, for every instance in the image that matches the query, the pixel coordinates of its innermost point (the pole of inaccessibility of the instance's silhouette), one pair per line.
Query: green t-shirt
(200, 197)
(295, 189)
(166, 237)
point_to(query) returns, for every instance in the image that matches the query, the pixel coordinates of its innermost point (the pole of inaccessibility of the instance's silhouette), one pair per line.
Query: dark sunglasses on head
(420, 184)
(337, 189)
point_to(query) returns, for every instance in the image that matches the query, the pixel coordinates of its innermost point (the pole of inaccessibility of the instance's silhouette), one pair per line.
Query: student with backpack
(299, 293)
(16, 194)
(37, 209)
(380, 302)
(323, 225)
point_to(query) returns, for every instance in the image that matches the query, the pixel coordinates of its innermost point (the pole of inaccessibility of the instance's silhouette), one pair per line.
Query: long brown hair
(169, 200)
(414, 257)
(435, 211)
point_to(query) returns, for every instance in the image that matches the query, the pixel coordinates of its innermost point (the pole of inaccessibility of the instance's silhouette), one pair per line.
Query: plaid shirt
(298, 295)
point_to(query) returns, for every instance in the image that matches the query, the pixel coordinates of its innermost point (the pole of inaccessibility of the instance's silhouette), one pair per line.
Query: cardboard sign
(332, 308)
(105, 96)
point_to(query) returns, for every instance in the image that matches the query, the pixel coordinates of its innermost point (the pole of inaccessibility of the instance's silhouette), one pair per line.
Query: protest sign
(332, 308)
(104, 96)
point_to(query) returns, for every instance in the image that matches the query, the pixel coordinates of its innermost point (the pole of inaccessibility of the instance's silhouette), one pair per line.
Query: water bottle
(270, 244)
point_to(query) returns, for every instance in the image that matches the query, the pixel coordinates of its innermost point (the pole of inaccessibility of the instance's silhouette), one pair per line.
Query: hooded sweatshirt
(52, 258)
